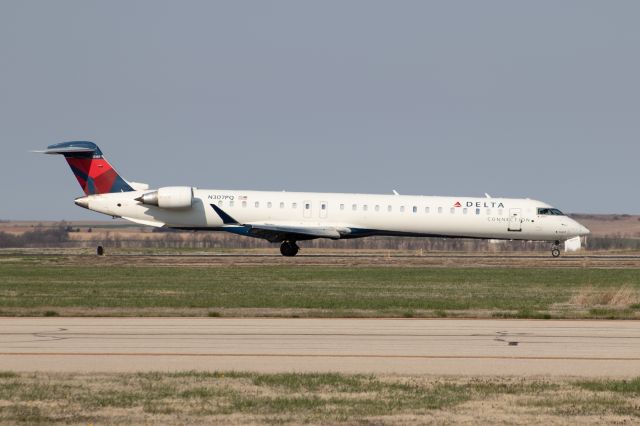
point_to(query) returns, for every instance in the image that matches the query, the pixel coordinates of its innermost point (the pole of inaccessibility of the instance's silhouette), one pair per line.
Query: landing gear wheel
(555, 252)
(289, 248)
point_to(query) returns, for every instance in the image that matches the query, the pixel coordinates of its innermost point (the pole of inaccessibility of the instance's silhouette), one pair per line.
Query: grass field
(247, 398)
(37, 286)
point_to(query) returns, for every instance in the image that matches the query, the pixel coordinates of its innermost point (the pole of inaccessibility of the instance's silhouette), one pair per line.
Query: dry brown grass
(246, 398)
(620, 298)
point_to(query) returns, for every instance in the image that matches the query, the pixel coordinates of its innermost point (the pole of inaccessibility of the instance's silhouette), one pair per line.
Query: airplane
(290, 217)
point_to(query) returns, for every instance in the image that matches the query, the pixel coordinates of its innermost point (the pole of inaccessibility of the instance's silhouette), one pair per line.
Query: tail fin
(93, 171)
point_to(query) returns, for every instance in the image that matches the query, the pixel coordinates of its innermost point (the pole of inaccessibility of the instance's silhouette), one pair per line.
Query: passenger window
(257, 204)
(452, 210)
(230, 203)
(364, 208)
(439, 209)
(401, 209)
(377, 208)
(415, 209)
(269, 205)
(488, 212)
(465, 210)
(294, 205)
(220, 203)
(341, 206)
(307, 206)
(426, 210)
(499, 212)
(281, 205)
(323, 206)
(244, 204)
(477, 211)
(389, 208)
(354, 207)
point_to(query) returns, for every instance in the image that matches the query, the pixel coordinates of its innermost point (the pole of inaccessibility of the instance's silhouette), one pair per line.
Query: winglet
(226, 219)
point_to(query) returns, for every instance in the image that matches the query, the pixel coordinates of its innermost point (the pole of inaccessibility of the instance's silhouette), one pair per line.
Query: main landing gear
(289, 248)
(555, 250)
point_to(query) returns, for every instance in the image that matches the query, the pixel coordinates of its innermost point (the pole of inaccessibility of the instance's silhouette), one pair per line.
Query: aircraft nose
(583, 230)
(580, 230)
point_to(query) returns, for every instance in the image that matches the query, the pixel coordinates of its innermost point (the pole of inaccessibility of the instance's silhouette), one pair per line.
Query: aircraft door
(324, 206)
(514, 220)
(306, 209)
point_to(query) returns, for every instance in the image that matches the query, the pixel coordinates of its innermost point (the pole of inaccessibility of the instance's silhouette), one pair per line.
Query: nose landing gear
(289, 248)
(555, 250)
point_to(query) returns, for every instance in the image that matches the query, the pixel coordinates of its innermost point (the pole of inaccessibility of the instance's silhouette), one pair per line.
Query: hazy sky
(535, 99)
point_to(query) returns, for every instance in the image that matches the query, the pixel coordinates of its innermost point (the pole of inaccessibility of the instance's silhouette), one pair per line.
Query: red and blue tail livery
(93, 171)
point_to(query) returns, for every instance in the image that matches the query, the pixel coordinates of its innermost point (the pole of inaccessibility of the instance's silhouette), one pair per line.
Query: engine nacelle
(170, 197)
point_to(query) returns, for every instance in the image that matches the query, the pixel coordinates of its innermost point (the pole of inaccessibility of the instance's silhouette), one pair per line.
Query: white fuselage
(352, 215)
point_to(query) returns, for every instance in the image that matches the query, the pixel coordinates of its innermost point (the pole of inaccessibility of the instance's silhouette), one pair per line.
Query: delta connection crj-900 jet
(289, 217)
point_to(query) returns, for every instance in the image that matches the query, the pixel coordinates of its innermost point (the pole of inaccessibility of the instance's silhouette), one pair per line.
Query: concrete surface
(404, 346)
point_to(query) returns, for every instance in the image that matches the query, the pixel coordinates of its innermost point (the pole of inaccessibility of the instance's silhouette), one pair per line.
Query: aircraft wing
(281, 232)
(276, 232)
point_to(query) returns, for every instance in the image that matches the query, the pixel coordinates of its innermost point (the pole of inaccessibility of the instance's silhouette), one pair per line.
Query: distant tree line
(40, 236)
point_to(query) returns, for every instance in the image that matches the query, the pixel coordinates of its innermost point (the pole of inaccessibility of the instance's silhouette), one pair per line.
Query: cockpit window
(549, 212)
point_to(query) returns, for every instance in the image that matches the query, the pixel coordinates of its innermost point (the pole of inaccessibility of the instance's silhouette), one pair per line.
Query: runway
(338, 259)
(402, 346)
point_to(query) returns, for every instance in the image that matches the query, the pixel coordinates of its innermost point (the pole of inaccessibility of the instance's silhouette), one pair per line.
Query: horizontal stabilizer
(67, 150)
(73, 149)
